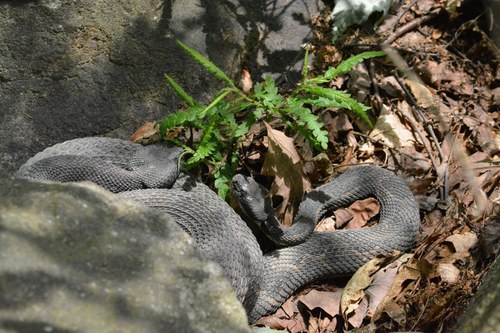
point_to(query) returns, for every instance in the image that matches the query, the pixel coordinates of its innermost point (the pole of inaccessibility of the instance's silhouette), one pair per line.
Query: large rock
(72, 69)
(76, 258)
(84, 68)
(482, 315)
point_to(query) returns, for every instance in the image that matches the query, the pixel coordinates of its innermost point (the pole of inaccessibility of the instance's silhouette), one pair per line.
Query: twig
(374, 84)
(404, 12)
(408, 27)
(420, 116)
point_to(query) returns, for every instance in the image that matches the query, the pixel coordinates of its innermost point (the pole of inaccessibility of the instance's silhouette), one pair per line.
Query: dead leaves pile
(438, 129)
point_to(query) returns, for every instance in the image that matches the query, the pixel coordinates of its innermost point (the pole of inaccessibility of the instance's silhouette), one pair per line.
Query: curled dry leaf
(422, 94)
(284, 163)
(376, 285)
(354, 303)
(357, 214)
(328, 301)
(391, 131)
(146, 134)
(463, 242)
(246, 81)
(449, 273)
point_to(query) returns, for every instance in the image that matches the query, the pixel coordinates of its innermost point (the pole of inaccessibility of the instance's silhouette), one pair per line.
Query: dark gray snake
(261, 282)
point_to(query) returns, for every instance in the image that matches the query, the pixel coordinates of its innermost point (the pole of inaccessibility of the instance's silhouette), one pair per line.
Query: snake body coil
(261, 282)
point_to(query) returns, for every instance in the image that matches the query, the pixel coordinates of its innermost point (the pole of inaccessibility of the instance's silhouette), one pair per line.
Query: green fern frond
(205, 148)
(309, 124)
(348, 64)
(180, 92)
(334, 98)
(344, 67)
(214, 103)
(181, 118)
(305, 66)
(209, 66)
(224, 173)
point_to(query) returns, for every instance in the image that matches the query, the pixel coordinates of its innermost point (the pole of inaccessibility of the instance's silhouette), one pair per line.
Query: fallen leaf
(391, 131)
(362, 211)
(449, 273)
(351, 302)
(148, 133)
(462, 242)
(391, 86)
(284, 163)
(393, 310)
(379, 288)
(246, 81)
(328, 301)
(422, 94)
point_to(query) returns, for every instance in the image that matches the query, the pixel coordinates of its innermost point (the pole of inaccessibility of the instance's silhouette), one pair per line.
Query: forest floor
(435, 106)
(435, 101)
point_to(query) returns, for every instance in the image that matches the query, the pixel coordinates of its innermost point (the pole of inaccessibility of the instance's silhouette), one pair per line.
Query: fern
(180, 92)
(344, 67)
(309, 124)
(224, 173)
(222, 125)
(334, 98)
(209, 66)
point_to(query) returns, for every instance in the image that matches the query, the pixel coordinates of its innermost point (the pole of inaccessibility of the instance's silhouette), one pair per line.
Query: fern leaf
(305, 66)
(309, 124)
(224, 173)
(209, 66)
(267, 94)
(206, 147)
(180, 92)
(181, 118)
(214, 103)
(334, 98)
(344, 67)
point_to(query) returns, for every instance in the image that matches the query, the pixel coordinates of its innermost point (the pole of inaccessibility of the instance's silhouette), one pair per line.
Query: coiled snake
(261, 282)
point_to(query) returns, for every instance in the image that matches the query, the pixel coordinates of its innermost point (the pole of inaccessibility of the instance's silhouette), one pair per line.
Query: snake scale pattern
(262, 282)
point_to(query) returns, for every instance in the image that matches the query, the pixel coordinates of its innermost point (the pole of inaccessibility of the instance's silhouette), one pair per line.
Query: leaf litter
(436, 126)
(439, 132)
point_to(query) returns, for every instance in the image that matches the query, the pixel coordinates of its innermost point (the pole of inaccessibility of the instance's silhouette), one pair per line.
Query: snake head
(252, 198)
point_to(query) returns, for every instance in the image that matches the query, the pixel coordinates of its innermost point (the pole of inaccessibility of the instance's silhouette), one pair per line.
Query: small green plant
(221, 125)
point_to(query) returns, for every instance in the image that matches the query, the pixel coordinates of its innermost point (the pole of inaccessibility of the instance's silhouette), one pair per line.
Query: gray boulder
(72, 69)
(76, 258)
(84, 68)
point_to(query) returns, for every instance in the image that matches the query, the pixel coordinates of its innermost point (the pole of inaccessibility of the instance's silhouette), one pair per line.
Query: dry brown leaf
(449, 273)
(287, 317)
(393, 310)
(391, 86)
(422, 94)
(284, 163)
(351, 303)
(328, 301)
(462, 242)
(414, 162)
(380, 286)
(391, 131)
(357, 214)
(246, 81)
(378, 291)
(362, 211)
(146, 134)
(411, 271)
(323, 168)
